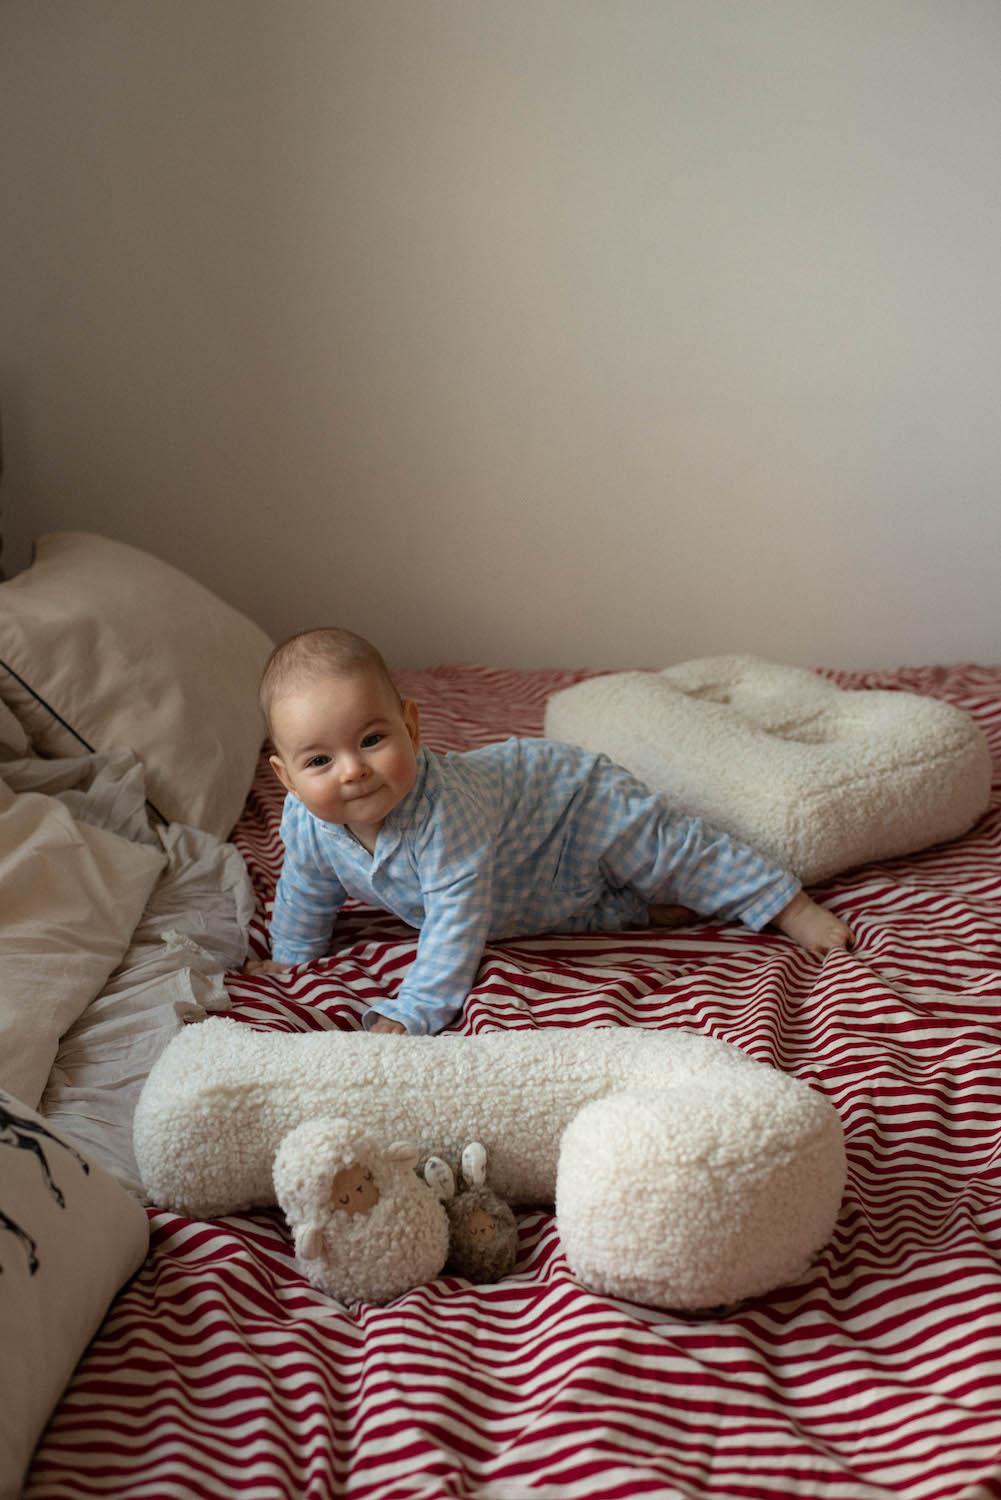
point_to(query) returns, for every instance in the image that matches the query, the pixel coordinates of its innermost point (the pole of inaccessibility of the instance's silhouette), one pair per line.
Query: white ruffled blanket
(193, 927)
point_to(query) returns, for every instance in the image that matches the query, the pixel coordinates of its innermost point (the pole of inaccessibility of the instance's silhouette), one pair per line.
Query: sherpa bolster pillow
(684, 1174)
(819, 778)
(222, 1096)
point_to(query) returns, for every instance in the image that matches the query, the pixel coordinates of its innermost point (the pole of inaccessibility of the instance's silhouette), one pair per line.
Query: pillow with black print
(70, 1235)
(104, 647)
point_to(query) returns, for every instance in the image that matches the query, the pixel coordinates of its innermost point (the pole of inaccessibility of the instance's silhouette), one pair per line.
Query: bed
(215, 1369)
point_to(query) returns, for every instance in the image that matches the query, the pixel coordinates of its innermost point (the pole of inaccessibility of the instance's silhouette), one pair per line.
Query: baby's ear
(278, 766)
(412, 719)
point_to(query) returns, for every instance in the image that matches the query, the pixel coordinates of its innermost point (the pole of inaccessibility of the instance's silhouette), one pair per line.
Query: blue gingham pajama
(516, 838)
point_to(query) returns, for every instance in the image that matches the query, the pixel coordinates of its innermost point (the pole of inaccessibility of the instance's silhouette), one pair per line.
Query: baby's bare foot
(385, 1024)
(812, 926)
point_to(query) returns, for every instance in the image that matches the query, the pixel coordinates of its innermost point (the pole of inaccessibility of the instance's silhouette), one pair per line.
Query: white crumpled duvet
(194, 927)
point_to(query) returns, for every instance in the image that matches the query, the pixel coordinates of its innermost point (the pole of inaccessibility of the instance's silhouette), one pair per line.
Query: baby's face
(347, 748)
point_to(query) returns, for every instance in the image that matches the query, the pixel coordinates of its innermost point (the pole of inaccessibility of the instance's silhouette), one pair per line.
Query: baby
(516, 838)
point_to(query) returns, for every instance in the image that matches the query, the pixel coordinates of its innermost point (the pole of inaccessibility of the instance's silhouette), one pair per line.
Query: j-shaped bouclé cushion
(819, 778)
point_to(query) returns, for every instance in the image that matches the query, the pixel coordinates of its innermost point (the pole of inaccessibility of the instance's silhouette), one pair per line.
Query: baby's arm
(308, 895)
(306, 903)
(449, 949)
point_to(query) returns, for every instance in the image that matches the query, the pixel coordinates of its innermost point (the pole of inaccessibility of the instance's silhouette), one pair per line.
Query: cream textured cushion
(718, 1180)
(818, 778)
(72, 1236)
(103, 647)
(70, 897)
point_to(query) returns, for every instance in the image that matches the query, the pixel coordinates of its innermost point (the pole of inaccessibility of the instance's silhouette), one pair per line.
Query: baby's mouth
(360, 796)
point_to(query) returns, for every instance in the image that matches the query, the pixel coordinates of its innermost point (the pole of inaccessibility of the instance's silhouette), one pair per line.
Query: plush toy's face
(480, 1227)
(354, 1190)
(484, 1235)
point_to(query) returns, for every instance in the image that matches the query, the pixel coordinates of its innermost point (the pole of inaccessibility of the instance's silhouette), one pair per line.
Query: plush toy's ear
(402, 1152)
(309, 1242)
(440, 1179)
(474, 1164)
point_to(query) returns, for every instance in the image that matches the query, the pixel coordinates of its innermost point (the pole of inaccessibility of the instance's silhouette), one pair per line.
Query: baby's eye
(371, 740)
(317, 762)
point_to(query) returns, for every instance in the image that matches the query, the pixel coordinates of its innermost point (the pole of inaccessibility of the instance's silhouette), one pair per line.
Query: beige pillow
(70, 897)
(103, 647)
(13, 740)
(71, 1237)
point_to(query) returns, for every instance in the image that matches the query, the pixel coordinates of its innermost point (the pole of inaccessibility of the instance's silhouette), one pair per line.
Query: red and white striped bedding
(220, 1372)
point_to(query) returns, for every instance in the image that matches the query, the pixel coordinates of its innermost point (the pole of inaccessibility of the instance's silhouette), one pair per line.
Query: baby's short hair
(327, 652)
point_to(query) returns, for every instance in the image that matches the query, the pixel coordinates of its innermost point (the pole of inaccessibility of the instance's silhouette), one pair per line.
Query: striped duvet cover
(220, 1372)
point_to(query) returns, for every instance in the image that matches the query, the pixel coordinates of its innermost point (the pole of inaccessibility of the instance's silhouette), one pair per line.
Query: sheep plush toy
(684, 1174)
(365, 1226)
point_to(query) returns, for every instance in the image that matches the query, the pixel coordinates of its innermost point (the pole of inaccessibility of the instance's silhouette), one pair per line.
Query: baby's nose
(353, 769)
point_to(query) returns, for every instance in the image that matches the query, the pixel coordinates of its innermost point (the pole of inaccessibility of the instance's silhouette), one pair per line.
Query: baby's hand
(385, 1024)
(265, 966)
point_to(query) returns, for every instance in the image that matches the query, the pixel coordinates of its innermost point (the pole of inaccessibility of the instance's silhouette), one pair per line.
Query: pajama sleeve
(307, 899)
(449, 950)
(456, 876)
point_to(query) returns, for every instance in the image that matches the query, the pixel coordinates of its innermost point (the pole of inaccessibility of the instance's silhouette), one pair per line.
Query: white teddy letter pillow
(818, 778)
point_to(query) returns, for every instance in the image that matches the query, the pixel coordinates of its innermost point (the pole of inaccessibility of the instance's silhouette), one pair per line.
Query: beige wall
(529, 331)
